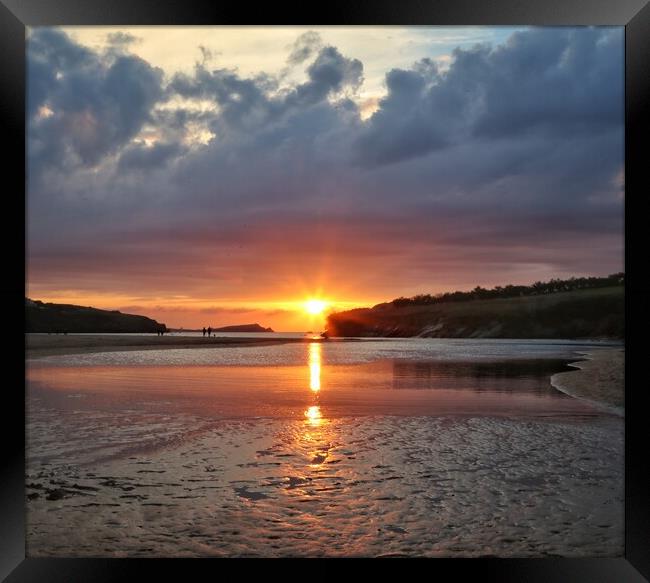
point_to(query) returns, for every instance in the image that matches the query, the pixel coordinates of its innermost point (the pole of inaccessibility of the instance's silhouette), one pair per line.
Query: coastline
(142, 476)
(50, 345)
(599, 380)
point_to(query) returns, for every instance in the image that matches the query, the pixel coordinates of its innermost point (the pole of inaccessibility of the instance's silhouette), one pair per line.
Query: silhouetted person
(203, 330)
(209, 331)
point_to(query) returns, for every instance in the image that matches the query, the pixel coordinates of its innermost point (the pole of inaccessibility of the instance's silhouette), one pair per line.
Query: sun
(315, 307)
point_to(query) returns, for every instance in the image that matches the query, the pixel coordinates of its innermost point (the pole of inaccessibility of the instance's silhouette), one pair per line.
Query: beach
(391, 448)
(351, 487)
(600, 379)
(52, 344)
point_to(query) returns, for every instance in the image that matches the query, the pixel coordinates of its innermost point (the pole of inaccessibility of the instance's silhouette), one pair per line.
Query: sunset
(325, 291)
(208, 176)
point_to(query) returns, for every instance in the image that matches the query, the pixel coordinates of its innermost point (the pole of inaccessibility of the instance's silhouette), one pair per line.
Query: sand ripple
(353, 486)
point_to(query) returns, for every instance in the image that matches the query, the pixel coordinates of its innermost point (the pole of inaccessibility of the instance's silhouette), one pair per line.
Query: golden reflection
(314, 366)
(313, 415)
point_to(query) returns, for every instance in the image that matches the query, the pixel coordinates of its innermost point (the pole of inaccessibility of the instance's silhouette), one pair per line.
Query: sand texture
(349, 450)
(356, 486)
(599, 380)
(38, 345)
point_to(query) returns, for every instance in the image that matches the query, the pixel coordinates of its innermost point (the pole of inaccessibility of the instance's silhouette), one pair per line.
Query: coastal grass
(589, 313)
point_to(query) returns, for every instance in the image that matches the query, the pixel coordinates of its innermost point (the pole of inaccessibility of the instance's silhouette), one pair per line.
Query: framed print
(356, 289)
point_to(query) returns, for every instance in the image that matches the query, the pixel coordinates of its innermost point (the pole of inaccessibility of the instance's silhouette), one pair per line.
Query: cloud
(513, 152)
(306, 45)
(552, 81)
(49, 54)
(226, 310)
(97, 105)
(147, 158)
(548, 81)
(121, 39)
(330, 73)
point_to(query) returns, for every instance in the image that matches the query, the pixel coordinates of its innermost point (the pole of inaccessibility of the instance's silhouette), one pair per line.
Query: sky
(225, 175)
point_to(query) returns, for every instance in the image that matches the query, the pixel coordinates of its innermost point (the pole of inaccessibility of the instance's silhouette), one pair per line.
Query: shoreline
(598, 380)
(40, 345)
(51, 345)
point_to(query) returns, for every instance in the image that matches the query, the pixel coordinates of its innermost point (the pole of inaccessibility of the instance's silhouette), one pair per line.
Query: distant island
(63, 318)
(243, 328)
(588, 307)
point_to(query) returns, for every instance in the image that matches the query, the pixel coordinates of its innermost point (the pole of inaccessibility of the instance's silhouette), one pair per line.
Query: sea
(353, 447)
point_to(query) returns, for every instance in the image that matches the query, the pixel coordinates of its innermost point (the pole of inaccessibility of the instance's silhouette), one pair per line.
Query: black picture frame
(15, 15)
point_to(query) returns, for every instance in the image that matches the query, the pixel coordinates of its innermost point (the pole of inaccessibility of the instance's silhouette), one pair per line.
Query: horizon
(325, 313)
(238, 173)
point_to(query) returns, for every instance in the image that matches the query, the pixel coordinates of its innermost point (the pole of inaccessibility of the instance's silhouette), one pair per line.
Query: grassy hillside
(589, 313)
(55, 318)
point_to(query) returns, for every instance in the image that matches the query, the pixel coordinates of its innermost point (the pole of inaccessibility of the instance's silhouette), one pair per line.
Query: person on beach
(204, 331)
(209, 331)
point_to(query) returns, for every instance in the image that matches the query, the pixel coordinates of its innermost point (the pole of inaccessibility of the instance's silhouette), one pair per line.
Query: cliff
(589, 313)
(55, 318)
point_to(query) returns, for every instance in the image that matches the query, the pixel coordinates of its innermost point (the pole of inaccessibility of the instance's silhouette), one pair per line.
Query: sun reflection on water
(314, 366)
(313, 413)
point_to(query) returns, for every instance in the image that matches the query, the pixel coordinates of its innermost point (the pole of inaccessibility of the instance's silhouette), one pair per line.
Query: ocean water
(421, 447)
(336, 352)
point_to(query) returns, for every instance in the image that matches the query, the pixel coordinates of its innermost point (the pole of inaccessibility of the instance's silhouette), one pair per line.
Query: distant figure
(204, 331)
(209, 331)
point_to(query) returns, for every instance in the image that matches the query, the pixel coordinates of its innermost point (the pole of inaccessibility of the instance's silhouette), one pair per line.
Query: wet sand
(599, 380)
(397, 459)
(355, 486)
(58, 344)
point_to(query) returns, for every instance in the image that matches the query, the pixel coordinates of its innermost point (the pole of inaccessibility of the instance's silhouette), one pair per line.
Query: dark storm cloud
(404, 126)
(94, 106)
(558, 81)
(51, 52)
(330, 73)
(515, 153)
(550, 81)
